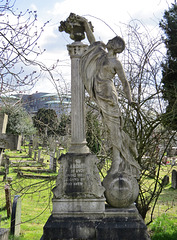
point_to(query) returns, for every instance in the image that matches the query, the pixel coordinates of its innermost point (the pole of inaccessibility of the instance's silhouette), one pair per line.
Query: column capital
(76, 49)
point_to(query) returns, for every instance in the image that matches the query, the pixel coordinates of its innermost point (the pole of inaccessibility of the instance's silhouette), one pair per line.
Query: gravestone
(7, 163)
(165, 180)
(35, 155)
(3, 122)
(53, 162)
(4, 234)
(79, 209)
(16, 216)
(39, 155)
(3, 125)
(7, 141)
(52, 156)
(30, 151)
(174, 179)
(35, 142)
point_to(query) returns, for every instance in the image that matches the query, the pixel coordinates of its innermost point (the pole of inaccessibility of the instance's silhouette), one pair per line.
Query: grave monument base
(113, 224)
(4, 234)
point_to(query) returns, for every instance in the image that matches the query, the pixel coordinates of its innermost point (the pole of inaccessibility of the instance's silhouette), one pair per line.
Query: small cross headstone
(16, 216)
(174, 179)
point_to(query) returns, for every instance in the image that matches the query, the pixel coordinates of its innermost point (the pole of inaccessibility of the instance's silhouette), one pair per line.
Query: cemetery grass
(164, 225)
(36, 196)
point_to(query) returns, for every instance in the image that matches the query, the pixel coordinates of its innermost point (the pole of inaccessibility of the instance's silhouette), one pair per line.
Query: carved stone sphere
(121, 190)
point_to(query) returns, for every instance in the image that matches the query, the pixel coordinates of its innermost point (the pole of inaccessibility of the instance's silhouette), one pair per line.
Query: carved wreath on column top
(74, 27)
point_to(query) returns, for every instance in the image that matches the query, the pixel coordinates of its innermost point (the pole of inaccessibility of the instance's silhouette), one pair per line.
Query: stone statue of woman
(98, 68)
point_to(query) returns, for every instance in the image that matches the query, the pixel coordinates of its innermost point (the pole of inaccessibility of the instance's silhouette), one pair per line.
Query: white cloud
(33, 7)
(112, 12)
(102, 14)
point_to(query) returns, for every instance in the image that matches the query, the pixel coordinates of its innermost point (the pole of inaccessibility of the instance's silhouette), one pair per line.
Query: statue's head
(117, 44)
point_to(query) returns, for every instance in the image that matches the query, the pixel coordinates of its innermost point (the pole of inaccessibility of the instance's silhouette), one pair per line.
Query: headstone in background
(7, 163)
(39, 155)
(3, 125)
(30, 151)
(174, 179)
(54, 165)
(16, 216)
(19, 142)
(4, 234)
(35, 142)
(165, 180)
(3, 122)
(1, 157)
(52, 156)
(35, 155)
(173, 162)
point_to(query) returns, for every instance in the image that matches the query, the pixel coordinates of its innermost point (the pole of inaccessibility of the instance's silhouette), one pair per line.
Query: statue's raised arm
(76, 25)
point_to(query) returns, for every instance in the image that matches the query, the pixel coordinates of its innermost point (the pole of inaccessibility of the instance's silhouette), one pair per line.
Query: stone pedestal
(78, 198)
(78, 186)
(114, 224)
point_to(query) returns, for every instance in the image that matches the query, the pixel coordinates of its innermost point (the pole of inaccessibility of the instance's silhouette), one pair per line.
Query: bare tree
(143, 57)
(19, 50)
(142, 63)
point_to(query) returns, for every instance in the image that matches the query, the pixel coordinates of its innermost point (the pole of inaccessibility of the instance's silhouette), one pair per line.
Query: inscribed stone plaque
(75, 176)
(16, 216)
(78, 177)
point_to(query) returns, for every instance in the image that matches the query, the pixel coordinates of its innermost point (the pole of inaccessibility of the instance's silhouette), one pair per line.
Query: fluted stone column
(78, 139)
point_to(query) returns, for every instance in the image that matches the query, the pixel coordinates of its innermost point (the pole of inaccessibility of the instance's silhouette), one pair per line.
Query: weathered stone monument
(16, 216)
(4, 234)
(3, 125)
(174, 179)
(9, 141)
(79, 209)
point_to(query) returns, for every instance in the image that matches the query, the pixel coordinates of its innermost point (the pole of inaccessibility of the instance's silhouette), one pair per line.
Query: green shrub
(164, 228)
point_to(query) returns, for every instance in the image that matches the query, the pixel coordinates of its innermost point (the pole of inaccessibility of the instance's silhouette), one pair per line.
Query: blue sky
(114, 12)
